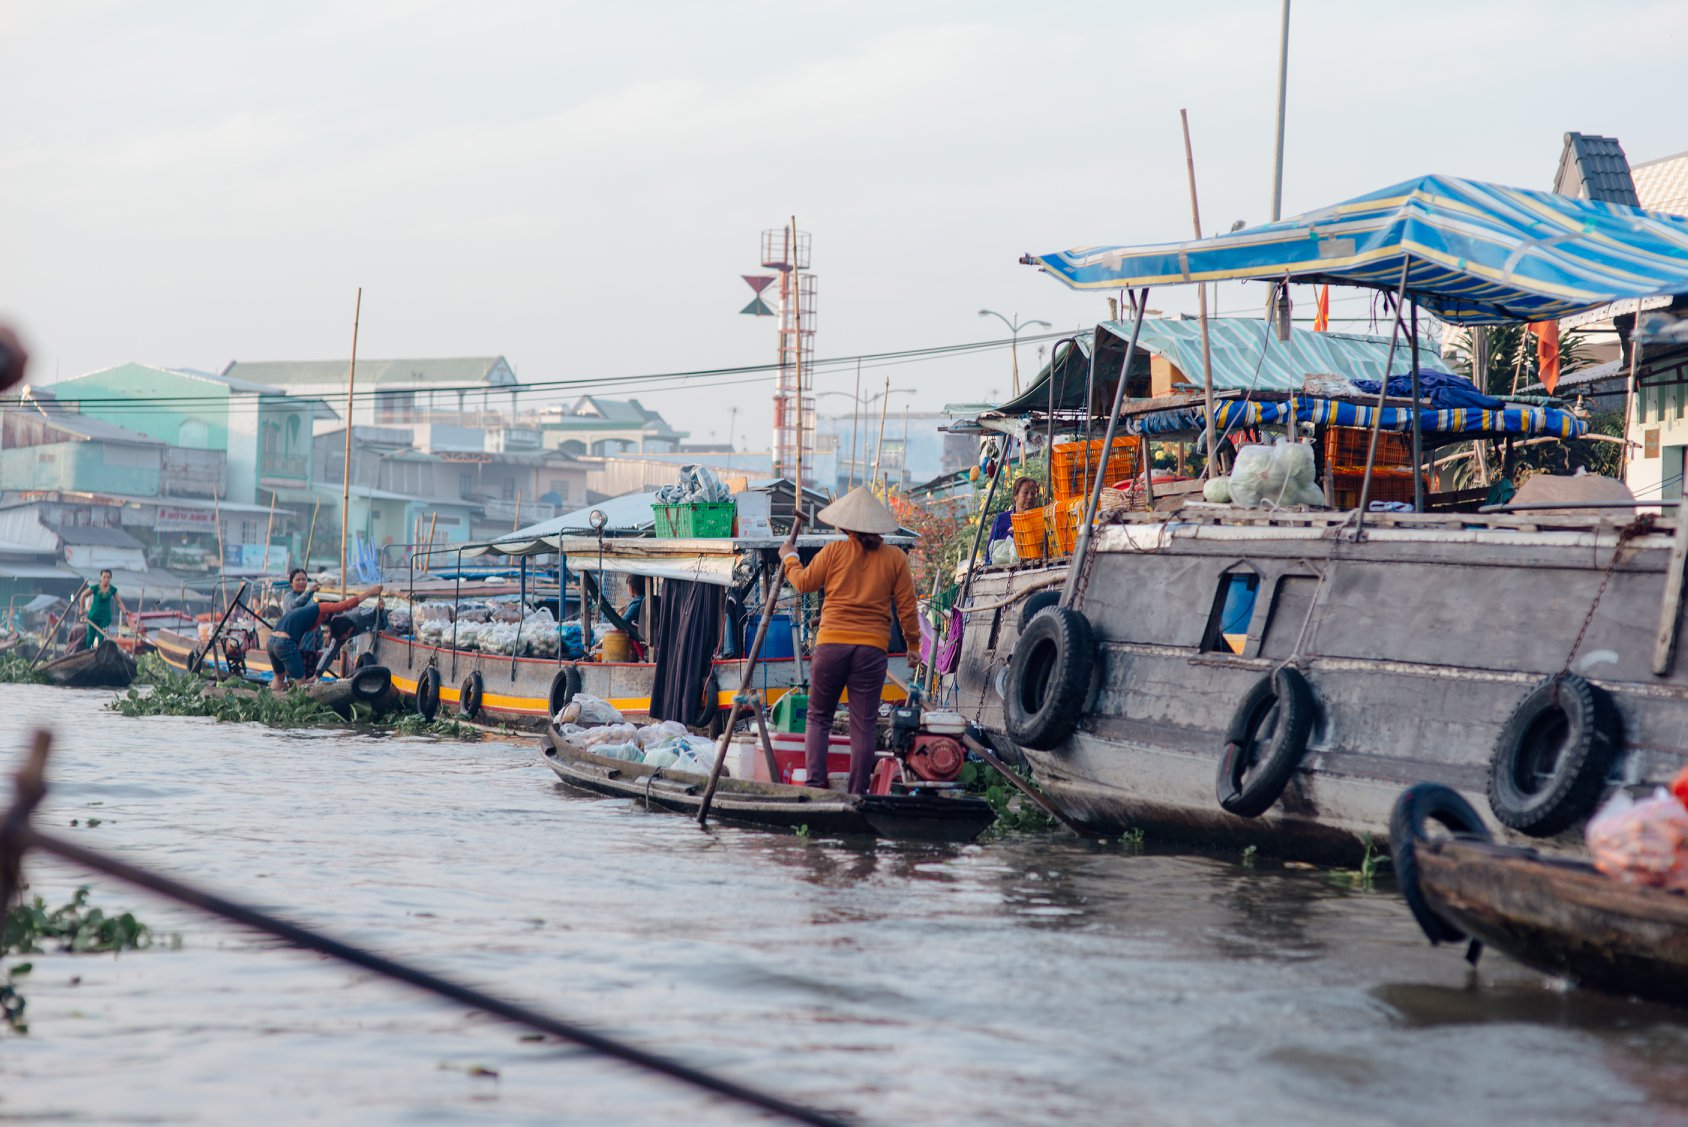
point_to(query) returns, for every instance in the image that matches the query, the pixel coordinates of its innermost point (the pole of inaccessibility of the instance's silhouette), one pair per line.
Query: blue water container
(777, 643)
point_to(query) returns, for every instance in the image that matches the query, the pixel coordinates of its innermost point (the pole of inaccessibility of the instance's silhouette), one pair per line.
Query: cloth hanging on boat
(687, 630)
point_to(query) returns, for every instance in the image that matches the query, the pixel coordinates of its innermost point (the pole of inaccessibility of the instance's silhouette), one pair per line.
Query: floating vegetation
(1014, 811)
(16, 669)
(1373, 860)
(75, 928)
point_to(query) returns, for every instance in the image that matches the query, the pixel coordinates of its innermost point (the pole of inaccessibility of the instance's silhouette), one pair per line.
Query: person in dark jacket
(290, 632)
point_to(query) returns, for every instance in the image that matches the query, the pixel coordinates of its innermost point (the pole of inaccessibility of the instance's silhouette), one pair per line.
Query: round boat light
(597, 519)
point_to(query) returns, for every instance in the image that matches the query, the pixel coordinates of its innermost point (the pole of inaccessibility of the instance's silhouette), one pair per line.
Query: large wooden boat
(917, 815)
(527, 691)
(1230, 675)
(105, 666)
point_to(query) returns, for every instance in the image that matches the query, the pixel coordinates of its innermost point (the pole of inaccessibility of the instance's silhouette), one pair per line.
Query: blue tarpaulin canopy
(1475, 253)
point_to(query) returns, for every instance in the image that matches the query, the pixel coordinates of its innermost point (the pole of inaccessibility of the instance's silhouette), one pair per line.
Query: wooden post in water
(346, 484)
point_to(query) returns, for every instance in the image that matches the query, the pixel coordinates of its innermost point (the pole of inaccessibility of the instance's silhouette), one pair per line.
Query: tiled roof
(1593, 167)
(1663, 184)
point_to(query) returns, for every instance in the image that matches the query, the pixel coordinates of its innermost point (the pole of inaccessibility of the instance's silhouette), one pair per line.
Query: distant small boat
(930, 816)
(105, 666)
(1557, 916)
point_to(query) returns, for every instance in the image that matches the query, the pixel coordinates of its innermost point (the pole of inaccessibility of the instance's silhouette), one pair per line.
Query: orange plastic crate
(1348, 446)
(1397, 486)
(1031, 534)
(1073, 466)
(1064, 518)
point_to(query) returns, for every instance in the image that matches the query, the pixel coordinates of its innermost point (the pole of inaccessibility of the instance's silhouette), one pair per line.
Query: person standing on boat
(293, 627)
(97, 604)
(863, 581)
(1026, 496)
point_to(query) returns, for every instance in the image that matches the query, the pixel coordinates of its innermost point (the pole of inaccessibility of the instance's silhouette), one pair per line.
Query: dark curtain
(687, 630)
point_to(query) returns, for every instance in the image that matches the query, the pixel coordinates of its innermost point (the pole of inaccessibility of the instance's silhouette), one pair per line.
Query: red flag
(1321, 319)
(1547, 353)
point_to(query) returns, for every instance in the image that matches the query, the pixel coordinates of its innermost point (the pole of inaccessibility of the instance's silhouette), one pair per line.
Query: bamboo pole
(346, 485)
(517, 521)
(222, 558)
(433, 522)
(879, 445)
(269, 528)
(797, 350)
(310, 536)
(1201, 307)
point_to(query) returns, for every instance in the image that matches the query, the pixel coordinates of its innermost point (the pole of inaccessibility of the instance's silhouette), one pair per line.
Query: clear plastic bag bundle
(1642, 841)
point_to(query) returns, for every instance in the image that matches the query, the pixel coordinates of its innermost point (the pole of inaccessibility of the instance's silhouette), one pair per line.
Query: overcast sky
(578, 187)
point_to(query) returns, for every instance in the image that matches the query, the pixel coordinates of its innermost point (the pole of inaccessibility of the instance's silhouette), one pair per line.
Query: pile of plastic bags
(662, 744)
(1274, 477)
(1643, 841)
(697, 484)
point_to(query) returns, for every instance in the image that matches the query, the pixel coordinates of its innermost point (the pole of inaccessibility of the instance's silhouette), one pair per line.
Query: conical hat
(860, 511)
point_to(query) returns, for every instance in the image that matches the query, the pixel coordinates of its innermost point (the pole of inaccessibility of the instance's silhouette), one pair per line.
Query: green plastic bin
(707, 520)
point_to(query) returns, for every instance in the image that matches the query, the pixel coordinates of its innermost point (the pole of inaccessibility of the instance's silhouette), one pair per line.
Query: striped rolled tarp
(1333, 412)
(1475, 253)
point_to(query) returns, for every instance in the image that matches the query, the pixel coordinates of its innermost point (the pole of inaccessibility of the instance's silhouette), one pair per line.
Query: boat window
(1233, 609)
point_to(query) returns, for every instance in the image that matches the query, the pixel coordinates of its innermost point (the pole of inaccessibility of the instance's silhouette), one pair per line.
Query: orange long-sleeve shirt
(861, 589)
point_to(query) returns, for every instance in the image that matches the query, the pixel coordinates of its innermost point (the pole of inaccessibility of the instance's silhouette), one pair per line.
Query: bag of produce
(1642, 841)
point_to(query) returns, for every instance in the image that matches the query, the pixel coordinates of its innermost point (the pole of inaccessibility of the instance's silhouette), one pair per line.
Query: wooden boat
(918, 815)
(105, 666)
(177, 649)
(526, 692)
(1557, 915)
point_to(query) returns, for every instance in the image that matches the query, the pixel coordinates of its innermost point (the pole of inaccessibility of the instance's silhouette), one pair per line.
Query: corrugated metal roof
(1593, 167)
(96, 537)
(49, 410)
(463, 371)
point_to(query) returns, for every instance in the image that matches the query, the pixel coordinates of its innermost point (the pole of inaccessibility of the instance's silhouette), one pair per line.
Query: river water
(1035, 980)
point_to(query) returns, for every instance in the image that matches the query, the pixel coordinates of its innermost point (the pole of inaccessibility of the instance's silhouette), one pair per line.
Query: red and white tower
(786, 249)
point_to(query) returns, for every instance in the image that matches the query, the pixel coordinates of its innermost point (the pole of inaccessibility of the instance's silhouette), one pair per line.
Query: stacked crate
(1345, 462)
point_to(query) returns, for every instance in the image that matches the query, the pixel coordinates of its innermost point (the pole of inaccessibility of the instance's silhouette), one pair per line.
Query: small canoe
(916, 816)
(103, 667)
(1558, 916)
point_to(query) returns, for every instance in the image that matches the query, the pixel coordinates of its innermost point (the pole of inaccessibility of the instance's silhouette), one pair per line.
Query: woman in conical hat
(865, 581)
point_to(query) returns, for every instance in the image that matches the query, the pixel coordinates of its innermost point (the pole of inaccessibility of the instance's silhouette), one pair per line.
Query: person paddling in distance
(863, 580)
(97, 608)
(291, 629)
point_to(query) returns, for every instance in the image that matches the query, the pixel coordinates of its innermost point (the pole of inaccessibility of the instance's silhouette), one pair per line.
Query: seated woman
(1026, 497)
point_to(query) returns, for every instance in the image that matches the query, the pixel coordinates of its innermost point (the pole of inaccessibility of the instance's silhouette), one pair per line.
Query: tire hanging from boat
(469, 695)
(565, 683)
(708, 702)
(1258, 763)
(1550, 762)
(428, 693)
(1419, 804)
(1049, 678)
(1035, 602)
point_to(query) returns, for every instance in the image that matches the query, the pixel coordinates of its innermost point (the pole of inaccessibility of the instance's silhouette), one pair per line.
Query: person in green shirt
(97, 607)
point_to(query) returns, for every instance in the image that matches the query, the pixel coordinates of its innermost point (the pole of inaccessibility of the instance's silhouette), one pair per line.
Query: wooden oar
(1020, 784)
(740, 697)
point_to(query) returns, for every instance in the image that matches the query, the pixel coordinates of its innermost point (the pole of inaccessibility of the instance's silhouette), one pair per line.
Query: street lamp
(855, 415)
(1014, 327)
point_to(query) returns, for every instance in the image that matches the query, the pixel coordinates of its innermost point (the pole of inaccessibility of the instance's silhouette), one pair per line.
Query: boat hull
(105, 666)
(517, 691)
(1561, 917)
(1417, 642)
(771, 805)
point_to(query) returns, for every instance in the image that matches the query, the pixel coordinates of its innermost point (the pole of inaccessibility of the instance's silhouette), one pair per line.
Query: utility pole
(855, 423)
(346, 486)
(1278, 142)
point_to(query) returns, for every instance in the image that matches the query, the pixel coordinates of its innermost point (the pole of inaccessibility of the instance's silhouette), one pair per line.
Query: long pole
(902, 475)
(222, 557)
(310, 537)
(346, 487)
(1418, 421)
(1278, 140)
(878, 446)
(797, 351)
(1201, 301)
(1014, 352)
(855, 424)
(269, 529)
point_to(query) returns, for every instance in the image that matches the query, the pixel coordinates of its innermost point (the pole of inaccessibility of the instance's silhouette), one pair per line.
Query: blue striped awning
(1475, 253)
(1513, 419)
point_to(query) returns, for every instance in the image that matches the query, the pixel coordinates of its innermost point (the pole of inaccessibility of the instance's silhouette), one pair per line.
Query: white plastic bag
(1249, 474)
(1217, 490)
(1004, 554)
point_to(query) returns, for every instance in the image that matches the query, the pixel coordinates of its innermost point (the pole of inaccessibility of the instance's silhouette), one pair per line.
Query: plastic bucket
(777, 643)
(618, 646)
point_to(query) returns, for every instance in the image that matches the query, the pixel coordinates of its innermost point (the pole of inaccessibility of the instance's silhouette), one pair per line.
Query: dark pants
(285, 657)
(834, 668)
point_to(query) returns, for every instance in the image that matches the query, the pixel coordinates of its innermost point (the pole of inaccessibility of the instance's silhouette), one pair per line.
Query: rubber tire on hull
(1035, 602)
(428, 693)
(1249, 782)
(469, 695)
(1049, 678)
(1418, 804)
(195, 657)
(564, 685)
(370, 682)
(708, 702)
(365, 659)
(1583, 723)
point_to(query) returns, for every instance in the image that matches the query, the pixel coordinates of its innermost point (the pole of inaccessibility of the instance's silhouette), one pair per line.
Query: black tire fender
(1417, 805)
(708, 701)
(1036, 601)
(1258, 763)
(370, 682)
(1049, 678)
(1550, 762)
(196, 657)
(365, 660)
(469, 695)
(565, 683)
(428, 693)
